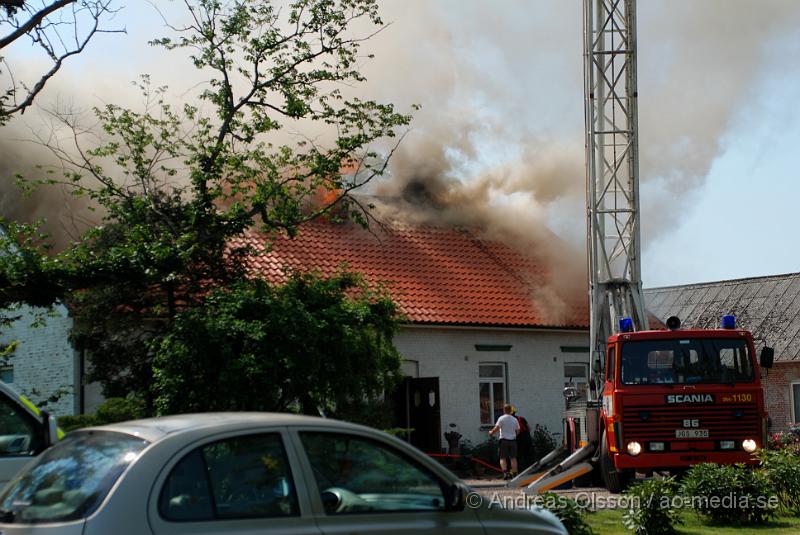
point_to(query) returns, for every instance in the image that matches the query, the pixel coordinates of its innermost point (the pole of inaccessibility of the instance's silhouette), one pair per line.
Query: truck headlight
(634, 448)
(749, 445)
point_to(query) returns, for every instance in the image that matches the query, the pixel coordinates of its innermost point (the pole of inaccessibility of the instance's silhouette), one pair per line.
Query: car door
(365, 486)
(241, 484)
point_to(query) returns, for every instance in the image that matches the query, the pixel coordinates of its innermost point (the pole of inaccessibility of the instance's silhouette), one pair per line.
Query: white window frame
(791, 398)
(493, 381)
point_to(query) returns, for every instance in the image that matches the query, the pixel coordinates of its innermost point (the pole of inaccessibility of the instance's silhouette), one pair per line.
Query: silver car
(247, 473)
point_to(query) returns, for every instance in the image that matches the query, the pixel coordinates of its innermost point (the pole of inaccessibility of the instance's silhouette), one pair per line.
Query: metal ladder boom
(612, 169)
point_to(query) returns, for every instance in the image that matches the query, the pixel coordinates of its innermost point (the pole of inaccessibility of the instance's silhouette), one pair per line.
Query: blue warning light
(728, 322)
(626, 325)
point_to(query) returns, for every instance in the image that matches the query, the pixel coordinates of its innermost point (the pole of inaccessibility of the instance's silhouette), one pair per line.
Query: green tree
(314, 342)
(175, 184)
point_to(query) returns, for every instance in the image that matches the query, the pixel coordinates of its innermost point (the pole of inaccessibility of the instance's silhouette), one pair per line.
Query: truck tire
(614, 481)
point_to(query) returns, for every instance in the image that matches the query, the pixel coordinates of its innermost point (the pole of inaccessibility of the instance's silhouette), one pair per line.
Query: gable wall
(778, 393)
(44, 363)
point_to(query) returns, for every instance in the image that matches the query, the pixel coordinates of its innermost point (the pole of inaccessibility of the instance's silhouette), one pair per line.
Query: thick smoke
(64, 217)
(498, 143)
(501, 93)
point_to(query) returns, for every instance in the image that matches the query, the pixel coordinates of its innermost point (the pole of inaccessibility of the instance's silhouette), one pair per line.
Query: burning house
(481, 327)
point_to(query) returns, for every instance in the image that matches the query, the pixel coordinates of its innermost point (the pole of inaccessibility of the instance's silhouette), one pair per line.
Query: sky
(501, 122)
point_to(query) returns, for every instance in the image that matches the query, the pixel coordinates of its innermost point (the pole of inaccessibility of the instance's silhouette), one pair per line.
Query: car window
(359, 475)
(70, 479)
(18, 434)
(240, 477)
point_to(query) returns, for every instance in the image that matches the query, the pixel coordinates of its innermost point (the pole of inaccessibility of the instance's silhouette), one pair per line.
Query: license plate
(691, 433)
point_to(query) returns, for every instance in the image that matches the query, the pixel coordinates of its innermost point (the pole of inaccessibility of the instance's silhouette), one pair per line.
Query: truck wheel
(615, 481)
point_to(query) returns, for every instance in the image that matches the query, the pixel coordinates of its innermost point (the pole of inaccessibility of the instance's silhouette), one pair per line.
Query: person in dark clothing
(524, 440)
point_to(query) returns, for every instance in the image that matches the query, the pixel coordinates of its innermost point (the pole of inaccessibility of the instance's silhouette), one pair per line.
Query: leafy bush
(314, 341)
(782, 469)
(652, 507)
(111, 411)
(119, 410)
(79, 421)
(730, 494)
(571, 514)
(543, 442)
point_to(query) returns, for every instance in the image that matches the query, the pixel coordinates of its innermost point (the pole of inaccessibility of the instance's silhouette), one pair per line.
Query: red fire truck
(675, 398)
(659, 400)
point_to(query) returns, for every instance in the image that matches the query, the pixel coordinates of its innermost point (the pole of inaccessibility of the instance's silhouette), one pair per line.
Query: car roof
(154, 429)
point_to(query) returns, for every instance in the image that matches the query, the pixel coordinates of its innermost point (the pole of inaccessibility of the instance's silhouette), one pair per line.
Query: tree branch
(34, 21)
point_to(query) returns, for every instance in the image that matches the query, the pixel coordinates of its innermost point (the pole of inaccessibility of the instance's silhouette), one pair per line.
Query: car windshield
(686, 361)
(70, 479)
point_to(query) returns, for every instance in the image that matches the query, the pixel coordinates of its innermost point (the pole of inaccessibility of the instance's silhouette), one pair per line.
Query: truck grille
(728, 422)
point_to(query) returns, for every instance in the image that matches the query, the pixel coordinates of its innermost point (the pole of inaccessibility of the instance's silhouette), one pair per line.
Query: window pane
(185, 495)
(486, 404)
(611, 363)
(689, 361)
(71, 479)
(7, 374)
(490, 370)
(657, 360)
(499, 399)
(17, 431)
(358, 475)
(575, 370)
(250, 477)
(796, 392)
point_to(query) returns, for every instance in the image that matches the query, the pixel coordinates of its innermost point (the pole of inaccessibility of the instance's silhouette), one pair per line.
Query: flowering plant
(789, 439)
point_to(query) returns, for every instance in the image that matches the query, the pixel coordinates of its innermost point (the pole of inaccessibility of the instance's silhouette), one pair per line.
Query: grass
(609, 522)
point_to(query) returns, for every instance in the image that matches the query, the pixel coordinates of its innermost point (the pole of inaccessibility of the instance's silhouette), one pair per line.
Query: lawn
(609, 522)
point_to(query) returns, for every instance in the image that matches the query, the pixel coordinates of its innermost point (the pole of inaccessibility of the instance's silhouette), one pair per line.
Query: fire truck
(659, 399)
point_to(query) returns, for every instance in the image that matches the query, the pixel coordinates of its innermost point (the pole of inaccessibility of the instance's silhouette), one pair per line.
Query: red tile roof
(436, 275)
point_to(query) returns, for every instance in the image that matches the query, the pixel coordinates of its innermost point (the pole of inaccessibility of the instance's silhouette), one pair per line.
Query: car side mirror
(330, 501)
(456, 499)
(767, 357)
(49, 429)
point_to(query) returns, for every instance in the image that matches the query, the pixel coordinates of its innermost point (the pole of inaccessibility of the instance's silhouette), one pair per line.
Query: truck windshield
(686, 361)
(71, 479)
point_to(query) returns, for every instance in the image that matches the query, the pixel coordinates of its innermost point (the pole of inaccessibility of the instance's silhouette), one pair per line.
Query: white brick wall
(535, 371)
(44, 362)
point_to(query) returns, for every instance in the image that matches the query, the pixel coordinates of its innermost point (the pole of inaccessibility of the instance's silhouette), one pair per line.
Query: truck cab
(25, 431)
(675, 398)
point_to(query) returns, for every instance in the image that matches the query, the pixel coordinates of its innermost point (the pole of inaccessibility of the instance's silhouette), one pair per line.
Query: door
(366, 486)
(241, 484)
(417, 407)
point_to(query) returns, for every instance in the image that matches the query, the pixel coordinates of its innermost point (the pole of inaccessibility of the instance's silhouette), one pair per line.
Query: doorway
(417, 406)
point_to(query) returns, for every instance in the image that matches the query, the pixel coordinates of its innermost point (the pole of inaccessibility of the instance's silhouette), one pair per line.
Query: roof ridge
(714, 283)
